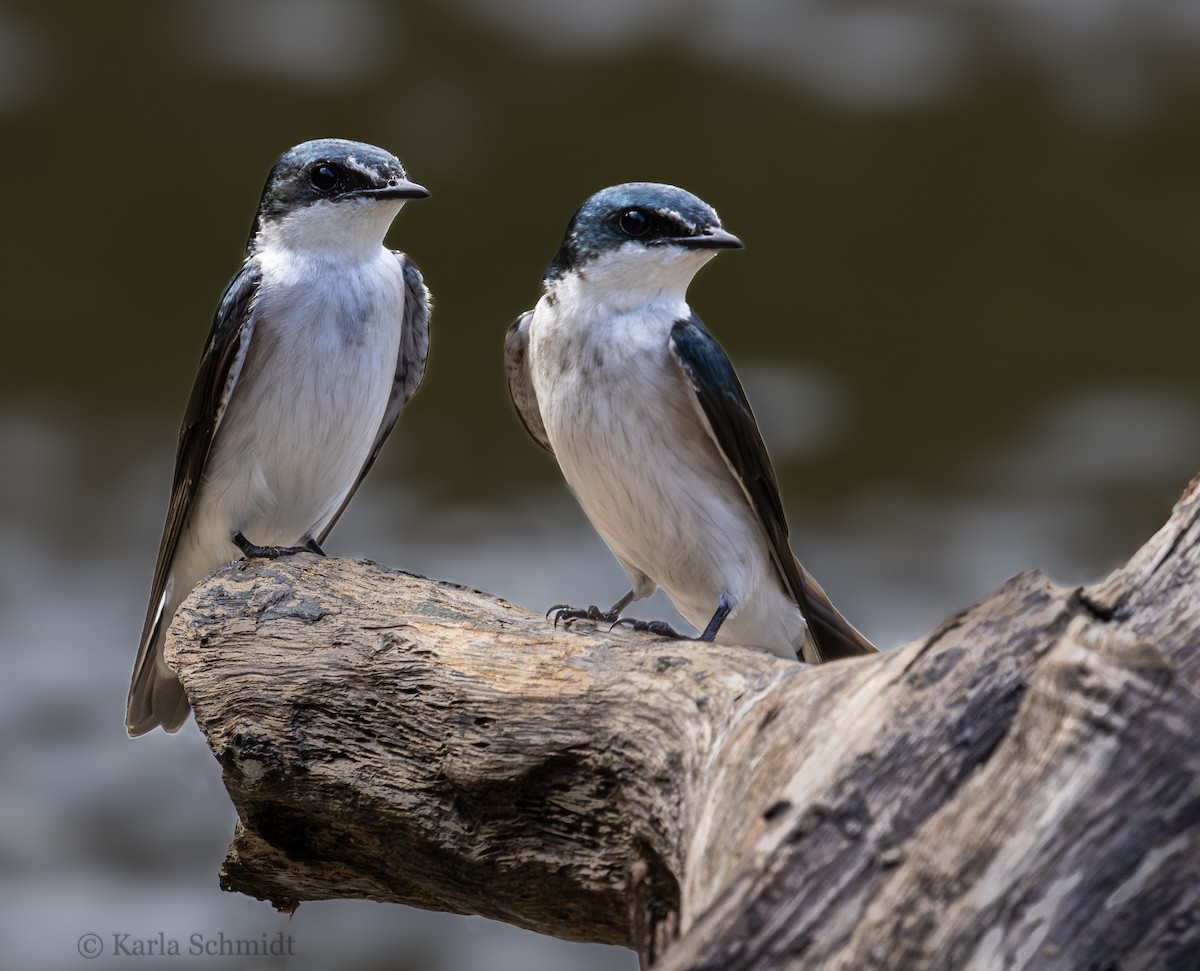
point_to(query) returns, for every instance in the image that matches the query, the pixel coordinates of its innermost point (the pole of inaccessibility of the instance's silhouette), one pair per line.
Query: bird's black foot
(568, 614)
(250, 551)
(659, 627)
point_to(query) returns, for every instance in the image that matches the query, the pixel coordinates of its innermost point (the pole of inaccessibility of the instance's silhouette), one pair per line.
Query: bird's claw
(275, 552)
(251, 551)
(568, 614)
(658, 627)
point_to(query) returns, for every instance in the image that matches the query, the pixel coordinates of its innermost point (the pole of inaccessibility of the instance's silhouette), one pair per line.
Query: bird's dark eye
(634, 223)
(323, 177)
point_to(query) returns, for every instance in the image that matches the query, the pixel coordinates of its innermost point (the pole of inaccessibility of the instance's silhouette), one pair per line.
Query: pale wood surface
(1019, 789)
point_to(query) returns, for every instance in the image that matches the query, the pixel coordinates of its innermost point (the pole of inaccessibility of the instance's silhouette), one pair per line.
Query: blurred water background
(966, 315)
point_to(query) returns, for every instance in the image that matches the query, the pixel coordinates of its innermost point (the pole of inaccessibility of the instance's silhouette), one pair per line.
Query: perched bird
(318, 343)
(614, 375)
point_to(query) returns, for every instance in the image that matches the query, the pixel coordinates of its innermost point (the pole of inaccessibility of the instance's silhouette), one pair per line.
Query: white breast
(309, 401)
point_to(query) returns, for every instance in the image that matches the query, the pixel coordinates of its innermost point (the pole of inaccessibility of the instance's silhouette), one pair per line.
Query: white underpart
(312, 391)
(351, 230)
(632, 446)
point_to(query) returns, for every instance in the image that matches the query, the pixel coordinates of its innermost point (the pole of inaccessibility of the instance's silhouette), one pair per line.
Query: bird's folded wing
(725, 411)
(220, 366)
(520, 381)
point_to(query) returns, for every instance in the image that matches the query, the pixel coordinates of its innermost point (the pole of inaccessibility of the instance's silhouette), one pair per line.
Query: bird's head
(642, 239)
(333, 195)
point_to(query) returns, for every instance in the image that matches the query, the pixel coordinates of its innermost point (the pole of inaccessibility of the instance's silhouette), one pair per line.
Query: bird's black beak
(396, 189)
(710, 238)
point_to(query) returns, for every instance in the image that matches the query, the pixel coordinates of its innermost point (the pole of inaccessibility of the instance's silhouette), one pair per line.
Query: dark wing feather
(220, 365)
(725, 409)
(410, 369)
(520, 382)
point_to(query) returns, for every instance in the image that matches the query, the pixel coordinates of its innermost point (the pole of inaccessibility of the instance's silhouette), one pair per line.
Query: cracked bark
(1019, 789)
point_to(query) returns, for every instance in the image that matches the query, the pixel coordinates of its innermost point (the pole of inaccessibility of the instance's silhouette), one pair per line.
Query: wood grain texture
(1019, 789)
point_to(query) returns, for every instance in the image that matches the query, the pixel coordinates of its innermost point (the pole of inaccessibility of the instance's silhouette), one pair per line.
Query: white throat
(633, 277)
(352, 229)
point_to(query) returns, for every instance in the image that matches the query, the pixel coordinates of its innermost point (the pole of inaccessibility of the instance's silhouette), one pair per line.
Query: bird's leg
(566, 613)
(663, 629)
(250, 551)
(724, 606)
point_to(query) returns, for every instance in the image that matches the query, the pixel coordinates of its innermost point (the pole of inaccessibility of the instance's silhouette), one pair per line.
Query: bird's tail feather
(155, 696)
(837, 637)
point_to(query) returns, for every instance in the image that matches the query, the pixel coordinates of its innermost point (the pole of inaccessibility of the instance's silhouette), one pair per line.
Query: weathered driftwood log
(1020, 789)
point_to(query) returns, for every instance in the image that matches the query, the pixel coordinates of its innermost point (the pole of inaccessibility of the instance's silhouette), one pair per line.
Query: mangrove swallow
(614, 375)
(318, 343)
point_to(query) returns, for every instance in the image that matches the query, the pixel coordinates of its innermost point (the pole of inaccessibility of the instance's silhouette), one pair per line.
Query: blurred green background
(966, 316)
